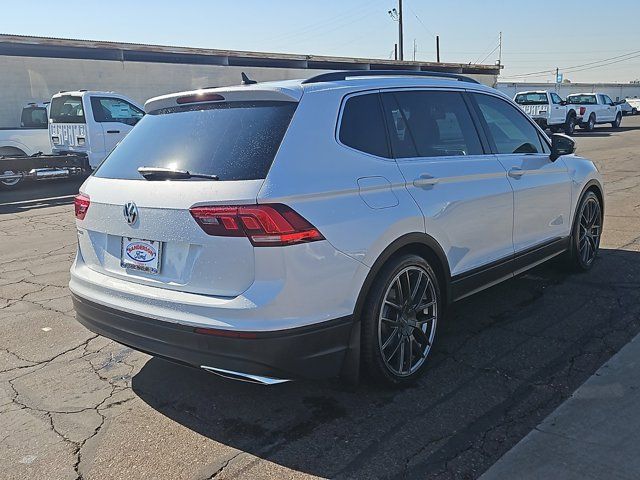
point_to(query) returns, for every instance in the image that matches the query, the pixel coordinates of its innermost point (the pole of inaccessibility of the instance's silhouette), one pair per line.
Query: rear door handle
(425, 180)
(113, 131)
(516, 172)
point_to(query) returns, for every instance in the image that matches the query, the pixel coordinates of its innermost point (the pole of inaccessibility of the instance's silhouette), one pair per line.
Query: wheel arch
(418, 243)
(9, 150)
(594, 186)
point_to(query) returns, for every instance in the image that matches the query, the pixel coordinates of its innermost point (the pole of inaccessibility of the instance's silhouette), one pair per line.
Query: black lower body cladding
(312, 352)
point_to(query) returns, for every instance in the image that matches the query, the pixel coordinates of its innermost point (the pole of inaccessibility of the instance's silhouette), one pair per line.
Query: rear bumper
(314, 352)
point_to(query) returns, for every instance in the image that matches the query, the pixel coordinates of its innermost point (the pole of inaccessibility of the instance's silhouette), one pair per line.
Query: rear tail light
(582, 110)
(81, 203)
(267, 225)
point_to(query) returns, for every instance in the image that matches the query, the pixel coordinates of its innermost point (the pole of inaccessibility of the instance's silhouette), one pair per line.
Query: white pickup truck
(593, 109)
(548, 110)
(90, 122)
(84, 127)
(31, 136)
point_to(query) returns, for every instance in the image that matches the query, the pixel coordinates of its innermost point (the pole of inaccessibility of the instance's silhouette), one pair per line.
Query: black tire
(616, 123)
(394, 331)
(591, 123)
(570, 125)
(634, 111)
(578, 261)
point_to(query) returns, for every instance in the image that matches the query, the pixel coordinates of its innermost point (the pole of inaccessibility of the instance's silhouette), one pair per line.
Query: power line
(320, 24)
(421, 22)
(579, 67)
(604, 64)
(496, 48)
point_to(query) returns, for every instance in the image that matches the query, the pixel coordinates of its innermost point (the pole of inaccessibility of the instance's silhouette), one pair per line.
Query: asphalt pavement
(73, 405)
(593, 435)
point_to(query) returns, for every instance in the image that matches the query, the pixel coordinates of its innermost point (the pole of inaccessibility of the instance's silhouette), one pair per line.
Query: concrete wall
(28, 79)
(617, 91)
(36, 79)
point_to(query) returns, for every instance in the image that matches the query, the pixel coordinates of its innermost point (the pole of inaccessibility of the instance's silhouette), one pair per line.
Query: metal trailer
(15, 169)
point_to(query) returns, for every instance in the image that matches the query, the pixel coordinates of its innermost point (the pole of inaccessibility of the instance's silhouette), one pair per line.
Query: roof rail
(344, 74)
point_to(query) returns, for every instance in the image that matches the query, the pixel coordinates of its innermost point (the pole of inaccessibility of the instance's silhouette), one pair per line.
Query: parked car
(594, 109)
(548, 110)
(629, 106)
(82, 128)
(310, 229)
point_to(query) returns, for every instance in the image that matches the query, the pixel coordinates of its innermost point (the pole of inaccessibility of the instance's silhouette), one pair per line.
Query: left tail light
(81, 203)
(265, 225)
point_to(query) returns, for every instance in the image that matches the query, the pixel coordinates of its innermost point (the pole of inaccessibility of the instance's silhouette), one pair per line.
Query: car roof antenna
(246, 80)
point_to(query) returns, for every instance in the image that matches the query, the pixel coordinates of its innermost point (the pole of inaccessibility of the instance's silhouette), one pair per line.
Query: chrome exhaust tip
(244, 377)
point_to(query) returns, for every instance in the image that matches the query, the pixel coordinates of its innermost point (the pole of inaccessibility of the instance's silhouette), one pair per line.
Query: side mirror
(561, 145)
(563, 103)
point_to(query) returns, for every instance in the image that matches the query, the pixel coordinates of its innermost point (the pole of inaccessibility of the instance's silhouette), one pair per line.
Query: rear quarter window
(362, 126)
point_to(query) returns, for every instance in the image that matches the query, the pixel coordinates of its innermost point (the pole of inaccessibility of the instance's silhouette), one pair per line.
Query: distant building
(34, 68)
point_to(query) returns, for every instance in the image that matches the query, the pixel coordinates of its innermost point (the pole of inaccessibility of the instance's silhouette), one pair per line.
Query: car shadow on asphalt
(603, 132)
(504, 359)
(39, 194)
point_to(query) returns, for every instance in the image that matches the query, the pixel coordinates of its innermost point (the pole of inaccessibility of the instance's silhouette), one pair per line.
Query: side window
(115, 110)
(511, 131)
(555, 98)
(607, 100)
(430, 124)
(362, 126)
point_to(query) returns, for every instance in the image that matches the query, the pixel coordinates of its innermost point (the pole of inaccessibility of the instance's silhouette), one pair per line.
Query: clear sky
(537, 36)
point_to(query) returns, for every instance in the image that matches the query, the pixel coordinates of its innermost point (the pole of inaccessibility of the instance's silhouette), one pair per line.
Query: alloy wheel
(589, 230)
(407, 321)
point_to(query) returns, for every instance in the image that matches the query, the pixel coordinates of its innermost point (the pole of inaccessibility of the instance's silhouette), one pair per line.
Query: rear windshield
(582, 100)
(34, 117)
(67, 109)
(532, 99)
(233, 140)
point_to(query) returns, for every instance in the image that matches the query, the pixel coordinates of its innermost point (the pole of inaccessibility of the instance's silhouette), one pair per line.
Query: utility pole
(400, 44)
(500, 50)
(395, 51)
(396, 15)
(438, 48)
(415, 49)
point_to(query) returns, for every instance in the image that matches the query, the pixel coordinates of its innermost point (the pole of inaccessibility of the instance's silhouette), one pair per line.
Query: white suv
(318, 228)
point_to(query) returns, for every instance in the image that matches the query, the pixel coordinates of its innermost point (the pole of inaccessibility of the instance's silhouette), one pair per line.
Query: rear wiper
(160, 173)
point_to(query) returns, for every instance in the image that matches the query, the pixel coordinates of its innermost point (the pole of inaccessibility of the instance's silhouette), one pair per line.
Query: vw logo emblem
(130, 212)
